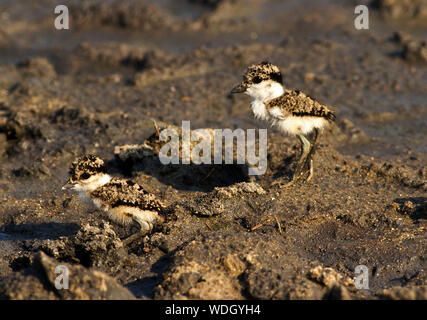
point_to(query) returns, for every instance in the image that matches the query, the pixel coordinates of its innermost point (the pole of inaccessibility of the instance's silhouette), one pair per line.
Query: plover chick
(293, 112)
(123, 200)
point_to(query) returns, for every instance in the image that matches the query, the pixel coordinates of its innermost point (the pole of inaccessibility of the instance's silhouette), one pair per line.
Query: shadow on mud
(145, 287)
(37, 231)
(414, 207)
(184, 177)
(285, 169)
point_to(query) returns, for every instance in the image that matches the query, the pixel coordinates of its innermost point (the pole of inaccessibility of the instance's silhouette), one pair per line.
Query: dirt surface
(96, 88)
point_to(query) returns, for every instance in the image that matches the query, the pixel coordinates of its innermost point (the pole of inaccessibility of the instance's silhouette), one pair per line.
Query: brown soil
(123, 63)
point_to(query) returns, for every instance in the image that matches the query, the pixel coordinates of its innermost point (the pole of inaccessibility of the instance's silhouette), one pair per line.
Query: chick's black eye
(85, 176)
(257, 79)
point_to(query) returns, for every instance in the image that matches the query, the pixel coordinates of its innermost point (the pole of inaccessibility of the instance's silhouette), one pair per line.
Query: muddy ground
(96, 86)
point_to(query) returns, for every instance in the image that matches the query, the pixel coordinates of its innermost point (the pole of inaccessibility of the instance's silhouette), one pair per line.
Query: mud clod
(414, 293)
(93, 247)
(38, 67)
(415, 51)
(328, 277)
(38, 282)
(402, 9)
(215, 203)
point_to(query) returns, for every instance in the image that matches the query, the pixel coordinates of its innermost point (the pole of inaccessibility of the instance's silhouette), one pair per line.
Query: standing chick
(293, 112)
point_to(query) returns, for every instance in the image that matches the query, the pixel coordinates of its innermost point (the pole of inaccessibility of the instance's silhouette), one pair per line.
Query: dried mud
(97, 87)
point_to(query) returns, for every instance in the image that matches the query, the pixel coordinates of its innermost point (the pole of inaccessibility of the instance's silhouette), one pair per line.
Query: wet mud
(97, 88)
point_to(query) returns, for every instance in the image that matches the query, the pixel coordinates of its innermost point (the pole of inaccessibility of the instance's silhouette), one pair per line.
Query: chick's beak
(68, 185)
(239, 89)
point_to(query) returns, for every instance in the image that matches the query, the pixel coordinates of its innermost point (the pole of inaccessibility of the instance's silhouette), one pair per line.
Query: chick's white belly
(125, 215)
(300, 125)
(288, 124)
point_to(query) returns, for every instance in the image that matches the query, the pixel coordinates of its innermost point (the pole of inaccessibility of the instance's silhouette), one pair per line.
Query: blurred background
(375, 78)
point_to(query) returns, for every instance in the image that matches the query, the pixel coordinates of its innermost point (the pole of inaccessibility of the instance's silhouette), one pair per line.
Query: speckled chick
(123, 200)
(292, 111)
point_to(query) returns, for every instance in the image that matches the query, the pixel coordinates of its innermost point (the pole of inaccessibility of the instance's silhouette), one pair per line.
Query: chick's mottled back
(125, 192)
(296, 103)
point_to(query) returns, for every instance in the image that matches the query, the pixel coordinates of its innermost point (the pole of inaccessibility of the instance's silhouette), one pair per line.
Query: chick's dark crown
(260, 72)
(85, 167)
